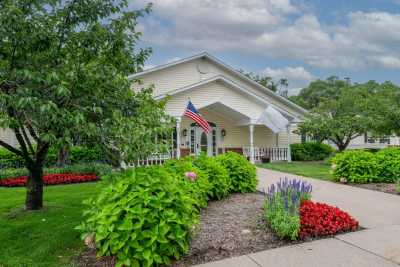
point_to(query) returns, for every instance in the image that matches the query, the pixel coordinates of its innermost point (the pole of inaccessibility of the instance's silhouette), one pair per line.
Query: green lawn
(314, 169)
(46, 237)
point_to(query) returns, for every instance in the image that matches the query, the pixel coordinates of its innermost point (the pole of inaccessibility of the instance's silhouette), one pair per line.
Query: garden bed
(230, 227)
(51, 179)
(389, 188)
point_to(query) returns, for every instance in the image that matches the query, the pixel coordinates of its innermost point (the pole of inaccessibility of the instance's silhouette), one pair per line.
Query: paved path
(378, 245)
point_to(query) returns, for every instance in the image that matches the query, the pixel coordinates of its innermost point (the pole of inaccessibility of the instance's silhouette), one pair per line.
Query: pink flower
(191, 175)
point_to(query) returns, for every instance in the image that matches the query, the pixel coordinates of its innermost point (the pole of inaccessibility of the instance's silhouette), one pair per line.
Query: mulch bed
(230, 227)
(381, 187)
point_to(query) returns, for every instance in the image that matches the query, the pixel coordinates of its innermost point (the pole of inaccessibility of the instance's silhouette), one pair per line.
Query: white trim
(226, 67)
(233, 85)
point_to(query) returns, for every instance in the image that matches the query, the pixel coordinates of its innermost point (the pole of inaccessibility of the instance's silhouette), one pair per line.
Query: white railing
(267, 153)
(154, 159)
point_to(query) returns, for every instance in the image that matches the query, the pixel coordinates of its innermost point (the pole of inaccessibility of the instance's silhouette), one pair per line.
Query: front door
(202, 142)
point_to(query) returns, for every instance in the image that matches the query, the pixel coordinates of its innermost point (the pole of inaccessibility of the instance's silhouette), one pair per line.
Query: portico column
(251, 128)
(178, 138)
(289, 156)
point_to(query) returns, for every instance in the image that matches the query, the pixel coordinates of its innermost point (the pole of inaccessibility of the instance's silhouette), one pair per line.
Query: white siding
(185, 74)
(8, 136)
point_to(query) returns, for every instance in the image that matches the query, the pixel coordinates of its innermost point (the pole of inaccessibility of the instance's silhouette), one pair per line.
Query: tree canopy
(63, 72)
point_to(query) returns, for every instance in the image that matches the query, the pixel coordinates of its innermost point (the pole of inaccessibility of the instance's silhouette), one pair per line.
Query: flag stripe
(193, 114)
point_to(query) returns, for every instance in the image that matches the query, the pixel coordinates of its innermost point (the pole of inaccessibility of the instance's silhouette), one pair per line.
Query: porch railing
(154, 159)
(267, 153)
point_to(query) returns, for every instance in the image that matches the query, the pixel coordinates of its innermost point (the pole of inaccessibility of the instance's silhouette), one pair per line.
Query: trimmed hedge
(76, 154)
(310, 151)
(360, 166)
(241, 171)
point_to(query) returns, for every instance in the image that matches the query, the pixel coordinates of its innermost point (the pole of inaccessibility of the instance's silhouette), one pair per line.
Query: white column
(251, 128)
(289, 155)
(178, 138)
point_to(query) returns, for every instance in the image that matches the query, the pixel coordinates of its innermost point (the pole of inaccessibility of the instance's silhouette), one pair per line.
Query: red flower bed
(318, 219)
(51, 179)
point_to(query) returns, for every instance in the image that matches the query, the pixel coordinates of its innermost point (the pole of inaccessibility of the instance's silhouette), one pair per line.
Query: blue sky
(301, 40)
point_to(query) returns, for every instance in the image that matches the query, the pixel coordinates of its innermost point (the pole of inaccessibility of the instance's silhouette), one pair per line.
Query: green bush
(310, 151)
(357, 166)
(9, 159)
(76, 154)
(144, 218)
(217, 175)
(241, 172)
(389, 164)
(199, 190)
(97, 168)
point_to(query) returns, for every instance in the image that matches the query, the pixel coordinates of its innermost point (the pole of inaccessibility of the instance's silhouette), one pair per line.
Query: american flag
(191, 112)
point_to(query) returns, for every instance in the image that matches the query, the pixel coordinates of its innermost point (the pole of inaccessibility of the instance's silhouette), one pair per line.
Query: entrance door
(202, 142)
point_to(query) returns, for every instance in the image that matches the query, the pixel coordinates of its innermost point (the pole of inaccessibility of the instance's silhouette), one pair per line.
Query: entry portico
(245, 117)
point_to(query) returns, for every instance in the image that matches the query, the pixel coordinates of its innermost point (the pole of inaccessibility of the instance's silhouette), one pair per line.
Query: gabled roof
(230, 83)
(227, 68)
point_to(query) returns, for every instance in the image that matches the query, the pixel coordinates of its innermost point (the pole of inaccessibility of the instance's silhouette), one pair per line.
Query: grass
(47, 237)
(313, 169)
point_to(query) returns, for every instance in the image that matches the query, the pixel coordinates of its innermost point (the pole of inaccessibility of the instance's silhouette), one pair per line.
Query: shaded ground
(381, 187)
(231, 227)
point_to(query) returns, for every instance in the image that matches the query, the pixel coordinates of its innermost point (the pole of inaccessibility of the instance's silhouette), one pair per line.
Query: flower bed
(319, 219)
(51, 179)
(291, 214)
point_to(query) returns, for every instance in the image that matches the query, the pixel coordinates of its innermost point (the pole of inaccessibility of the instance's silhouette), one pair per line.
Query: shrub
(388, 160)
(76, 154)
(144, 218)
(199, 190)
(241, 172)
(357, 166)
(9, 159)
(309, 151)
(318, 219)
(93, 168)
(282, 206)
(217, 175)
(398, 186)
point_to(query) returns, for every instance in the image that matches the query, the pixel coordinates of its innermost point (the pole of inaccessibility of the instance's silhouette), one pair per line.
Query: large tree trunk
(62, 156)
(34, 188)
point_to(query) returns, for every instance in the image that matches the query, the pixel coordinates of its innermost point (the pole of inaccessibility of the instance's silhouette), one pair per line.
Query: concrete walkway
(378, 245)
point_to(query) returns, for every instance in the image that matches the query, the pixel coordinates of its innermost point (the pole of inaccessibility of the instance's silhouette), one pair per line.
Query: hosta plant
(144, 218)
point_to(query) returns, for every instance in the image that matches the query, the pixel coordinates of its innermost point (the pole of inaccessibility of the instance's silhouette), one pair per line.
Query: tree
(63, 72)
(319, 91)
(340, 118)
(384, 108)
(265, 81)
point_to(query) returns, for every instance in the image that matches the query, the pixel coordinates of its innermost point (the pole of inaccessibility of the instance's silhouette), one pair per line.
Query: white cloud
(275, 28)
(298, 77)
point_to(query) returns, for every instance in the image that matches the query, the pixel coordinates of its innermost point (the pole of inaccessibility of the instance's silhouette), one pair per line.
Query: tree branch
(32, 132)
(27, 140)
(11, 148)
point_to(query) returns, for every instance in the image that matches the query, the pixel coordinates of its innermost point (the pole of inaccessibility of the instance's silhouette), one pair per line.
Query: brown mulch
(381, 187)
(230, 227)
